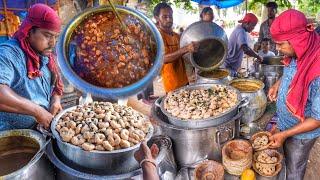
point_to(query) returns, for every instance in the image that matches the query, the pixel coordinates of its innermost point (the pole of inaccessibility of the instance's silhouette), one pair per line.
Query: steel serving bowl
(64, 59)
(206, 122)
(102, 162)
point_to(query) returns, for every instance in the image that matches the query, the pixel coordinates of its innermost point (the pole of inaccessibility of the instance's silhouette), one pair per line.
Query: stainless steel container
(213, 45)
(270, 79)
(102, 162)
(114, 93)
(193, 145)
(217, 76)
(166, 166)
(257, 98)
(40, 168)
(206, 122)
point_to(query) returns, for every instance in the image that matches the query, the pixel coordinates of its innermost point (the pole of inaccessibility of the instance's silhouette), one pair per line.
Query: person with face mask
(265, 26)
(174, 72)
(298, 92)
(30, 84)
(238, 44)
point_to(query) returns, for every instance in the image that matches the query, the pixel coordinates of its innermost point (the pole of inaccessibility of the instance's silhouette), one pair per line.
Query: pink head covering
(291, 26)
(249, 18)
(41, 16)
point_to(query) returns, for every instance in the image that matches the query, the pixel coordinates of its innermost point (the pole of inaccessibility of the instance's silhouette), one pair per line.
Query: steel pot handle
(45, 132)
(230, 136)
(244, 102)
(158, 102)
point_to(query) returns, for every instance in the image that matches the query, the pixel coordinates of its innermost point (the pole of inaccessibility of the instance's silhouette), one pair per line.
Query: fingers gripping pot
(97, 63)
(213, 47)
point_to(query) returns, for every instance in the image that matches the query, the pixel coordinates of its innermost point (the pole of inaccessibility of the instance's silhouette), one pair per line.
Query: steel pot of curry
(98, 56)
(17, 148)
(220, 76)
(253, 90)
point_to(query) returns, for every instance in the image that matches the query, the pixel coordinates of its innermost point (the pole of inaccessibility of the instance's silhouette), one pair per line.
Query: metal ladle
(123, 26)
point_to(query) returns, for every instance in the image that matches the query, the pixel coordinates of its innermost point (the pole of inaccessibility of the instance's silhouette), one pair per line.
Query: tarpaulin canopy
(219, 3)
(22, 5)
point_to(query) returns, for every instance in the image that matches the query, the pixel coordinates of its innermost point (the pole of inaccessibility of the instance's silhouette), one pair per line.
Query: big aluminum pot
(40, 168)
(270, 64)
(114, 93)
(206, 122)
(191, 146)
(257, 98)
(100, 162)
(166, 165)
(217, 76)
(213, 48)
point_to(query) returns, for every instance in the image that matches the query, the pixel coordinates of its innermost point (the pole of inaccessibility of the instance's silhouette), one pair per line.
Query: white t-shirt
(269, 53)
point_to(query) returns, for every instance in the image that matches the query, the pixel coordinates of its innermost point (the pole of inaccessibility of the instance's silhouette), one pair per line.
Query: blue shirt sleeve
(315, 98)
(242, 38)
(6, 68)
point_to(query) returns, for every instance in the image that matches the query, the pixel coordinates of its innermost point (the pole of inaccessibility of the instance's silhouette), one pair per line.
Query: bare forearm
(149, 172)
(248, 51)
(55, 98)
(169, 58)
(308, 125)
(11, 102)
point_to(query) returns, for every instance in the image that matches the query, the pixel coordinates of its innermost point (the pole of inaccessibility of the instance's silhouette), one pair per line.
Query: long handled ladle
(123, 26)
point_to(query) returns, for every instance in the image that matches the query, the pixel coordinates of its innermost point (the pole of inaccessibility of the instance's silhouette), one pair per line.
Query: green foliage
(310, 8)
(254, 4)
(184, 4)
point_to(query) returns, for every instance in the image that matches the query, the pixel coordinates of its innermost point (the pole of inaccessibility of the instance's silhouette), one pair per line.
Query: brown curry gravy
(215, 74)
(246, 86)
(15, 153)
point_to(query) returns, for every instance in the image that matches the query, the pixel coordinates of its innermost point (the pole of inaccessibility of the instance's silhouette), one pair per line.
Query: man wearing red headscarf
(30, 85)
(298, 92)
(238, 44)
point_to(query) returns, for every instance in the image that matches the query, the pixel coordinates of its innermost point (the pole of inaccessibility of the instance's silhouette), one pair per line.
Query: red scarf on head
(41, 16)
(291, 25)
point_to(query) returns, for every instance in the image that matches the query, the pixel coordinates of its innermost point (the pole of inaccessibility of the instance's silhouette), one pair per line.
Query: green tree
(309, 7)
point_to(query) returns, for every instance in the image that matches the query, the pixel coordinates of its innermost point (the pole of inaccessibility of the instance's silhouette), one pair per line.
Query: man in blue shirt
(238, 44)
(30, 85)
(298, 92)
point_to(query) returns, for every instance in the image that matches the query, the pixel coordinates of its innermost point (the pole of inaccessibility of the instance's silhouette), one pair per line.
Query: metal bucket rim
(25, 132)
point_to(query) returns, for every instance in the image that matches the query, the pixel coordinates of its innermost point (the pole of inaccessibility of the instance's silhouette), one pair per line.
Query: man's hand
(273, 92)
(193, 47)
(145, 153)
(260, 59)
(43, 117)
(277, 139)
(55, 107)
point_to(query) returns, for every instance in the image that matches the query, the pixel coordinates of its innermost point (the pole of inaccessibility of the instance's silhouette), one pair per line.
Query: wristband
(148, 160)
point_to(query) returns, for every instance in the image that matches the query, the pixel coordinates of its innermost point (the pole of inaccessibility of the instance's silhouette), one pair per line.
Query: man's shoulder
(11, 50)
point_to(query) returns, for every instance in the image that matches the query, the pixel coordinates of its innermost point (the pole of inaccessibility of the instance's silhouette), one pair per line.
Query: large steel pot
(206, 122)
(256, 96)
(15, 141)
(100, 162)
(194, 145)
(217, 76)
(213, 45)
(270, 64)
(166, 165)
(114, 93)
